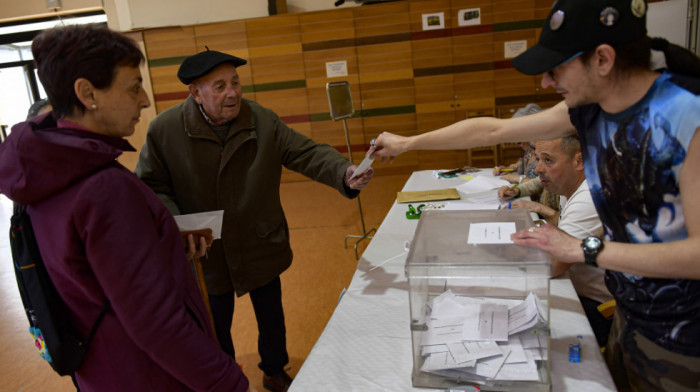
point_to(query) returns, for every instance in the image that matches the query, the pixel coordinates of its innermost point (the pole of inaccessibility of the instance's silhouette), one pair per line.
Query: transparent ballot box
(479, 303)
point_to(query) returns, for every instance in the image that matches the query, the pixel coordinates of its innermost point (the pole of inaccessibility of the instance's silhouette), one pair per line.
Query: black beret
(202, 63)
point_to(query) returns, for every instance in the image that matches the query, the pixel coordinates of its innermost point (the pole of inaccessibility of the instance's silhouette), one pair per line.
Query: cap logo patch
(609, 16)
(556, 20)
(638, 8)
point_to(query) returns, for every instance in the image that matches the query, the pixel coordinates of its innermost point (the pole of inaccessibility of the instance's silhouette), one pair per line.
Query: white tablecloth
(366, 345)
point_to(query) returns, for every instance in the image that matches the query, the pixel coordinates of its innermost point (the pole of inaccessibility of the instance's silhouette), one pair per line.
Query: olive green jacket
(191, 170)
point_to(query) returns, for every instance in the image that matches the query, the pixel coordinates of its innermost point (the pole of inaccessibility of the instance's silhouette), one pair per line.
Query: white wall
(23, 9)
(125, 15)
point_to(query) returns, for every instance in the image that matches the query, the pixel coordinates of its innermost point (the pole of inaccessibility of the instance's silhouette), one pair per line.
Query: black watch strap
(591, 247)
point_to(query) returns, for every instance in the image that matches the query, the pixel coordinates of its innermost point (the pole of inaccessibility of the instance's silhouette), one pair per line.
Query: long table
(366, 345)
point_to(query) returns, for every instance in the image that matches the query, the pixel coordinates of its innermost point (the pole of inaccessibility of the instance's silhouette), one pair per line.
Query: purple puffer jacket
(103, 234)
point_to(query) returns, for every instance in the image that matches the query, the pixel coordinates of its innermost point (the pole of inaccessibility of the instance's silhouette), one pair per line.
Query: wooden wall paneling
(473, 49)
(332, 132)
(382, 19)
(227, 37)
(277, 71)
(277, 65)
(382, 62)
(443, 159)
(509, 82)
(513, 10)
(542, 9)
(315, 66)
(509, 153)
(164, 80)
(435, 94)
(329, 36)
(286, 103)
(169, 42)
(475, 90)
(323, 26)
(165, 50)
(432, 53)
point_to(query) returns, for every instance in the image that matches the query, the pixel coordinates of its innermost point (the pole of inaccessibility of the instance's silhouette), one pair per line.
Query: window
(18, 77)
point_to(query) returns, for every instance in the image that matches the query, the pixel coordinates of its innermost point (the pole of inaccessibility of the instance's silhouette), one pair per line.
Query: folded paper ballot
(477, 337)
(429, 195)
(363, 167)
(201, 221)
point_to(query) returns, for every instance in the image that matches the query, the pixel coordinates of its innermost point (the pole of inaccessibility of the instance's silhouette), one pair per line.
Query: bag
(48, 315)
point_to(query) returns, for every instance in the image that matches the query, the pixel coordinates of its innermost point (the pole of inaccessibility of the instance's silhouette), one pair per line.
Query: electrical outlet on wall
(53, 4)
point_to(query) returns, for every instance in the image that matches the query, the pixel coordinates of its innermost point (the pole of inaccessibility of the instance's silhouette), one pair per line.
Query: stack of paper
(490, 339)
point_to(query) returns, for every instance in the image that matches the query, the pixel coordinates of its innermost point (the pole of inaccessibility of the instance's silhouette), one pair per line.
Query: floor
(319, 219)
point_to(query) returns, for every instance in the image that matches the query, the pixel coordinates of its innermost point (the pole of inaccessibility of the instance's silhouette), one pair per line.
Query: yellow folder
(429, 195)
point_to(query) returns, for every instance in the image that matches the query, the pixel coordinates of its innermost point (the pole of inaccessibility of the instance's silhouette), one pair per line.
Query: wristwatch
(591, 247)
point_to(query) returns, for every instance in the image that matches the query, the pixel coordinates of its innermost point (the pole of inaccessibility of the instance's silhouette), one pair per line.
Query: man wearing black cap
(636, 127)
(219, 151)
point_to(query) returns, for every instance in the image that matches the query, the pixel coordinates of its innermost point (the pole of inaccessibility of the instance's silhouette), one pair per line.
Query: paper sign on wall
(513, 48)
(335, 69)
(435, 21)
(469, 17)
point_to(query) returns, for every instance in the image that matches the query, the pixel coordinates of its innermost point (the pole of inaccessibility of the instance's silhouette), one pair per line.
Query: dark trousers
(601, 325)
(272, 340)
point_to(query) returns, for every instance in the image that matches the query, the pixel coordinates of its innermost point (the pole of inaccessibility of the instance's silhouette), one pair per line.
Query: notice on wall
(434, 21)
(513, 48)
(336, 69)
(469, 17)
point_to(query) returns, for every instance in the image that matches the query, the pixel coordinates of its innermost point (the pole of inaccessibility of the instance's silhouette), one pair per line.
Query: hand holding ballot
(357, 177)
(196, 242)
(199, 230)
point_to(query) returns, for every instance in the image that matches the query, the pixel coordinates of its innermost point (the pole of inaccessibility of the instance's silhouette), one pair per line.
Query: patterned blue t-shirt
(632, 162)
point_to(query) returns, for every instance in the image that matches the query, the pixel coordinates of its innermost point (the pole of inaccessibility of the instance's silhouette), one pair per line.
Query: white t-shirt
(579, 218)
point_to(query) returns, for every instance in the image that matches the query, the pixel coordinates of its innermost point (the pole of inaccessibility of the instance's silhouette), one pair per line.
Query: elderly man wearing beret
(219, 151)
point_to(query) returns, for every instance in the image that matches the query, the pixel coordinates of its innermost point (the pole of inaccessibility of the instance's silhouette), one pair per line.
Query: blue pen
(509, 205)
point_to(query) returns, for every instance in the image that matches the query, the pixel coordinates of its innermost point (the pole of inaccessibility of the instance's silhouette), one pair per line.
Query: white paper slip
(481, 184)
(364, 165)
(202, 220)
(486, 322)
(491, 233)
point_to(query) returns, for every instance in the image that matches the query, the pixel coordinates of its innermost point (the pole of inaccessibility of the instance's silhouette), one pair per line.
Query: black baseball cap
(202, 63)
(576, 26)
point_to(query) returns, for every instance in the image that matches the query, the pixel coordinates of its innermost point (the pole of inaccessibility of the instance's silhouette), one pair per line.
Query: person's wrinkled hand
(531, 206)
(510, 177)
(497, 170)
(506, 192)
(361, 180)
(551, 239)
(387, 146)
(194, 249)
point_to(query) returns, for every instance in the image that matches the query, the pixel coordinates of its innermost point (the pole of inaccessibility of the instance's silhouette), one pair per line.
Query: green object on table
(414, 213)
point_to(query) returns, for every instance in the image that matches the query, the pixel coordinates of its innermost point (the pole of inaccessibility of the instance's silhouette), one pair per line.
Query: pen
(495, 170)
(509, 205)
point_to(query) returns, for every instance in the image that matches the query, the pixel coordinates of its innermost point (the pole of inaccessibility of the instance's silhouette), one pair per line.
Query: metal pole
(365, 233)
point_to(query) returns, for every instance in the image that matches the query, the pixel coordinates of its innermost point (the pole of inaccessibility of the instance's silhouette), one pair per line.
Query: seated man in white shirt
(560, 170)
